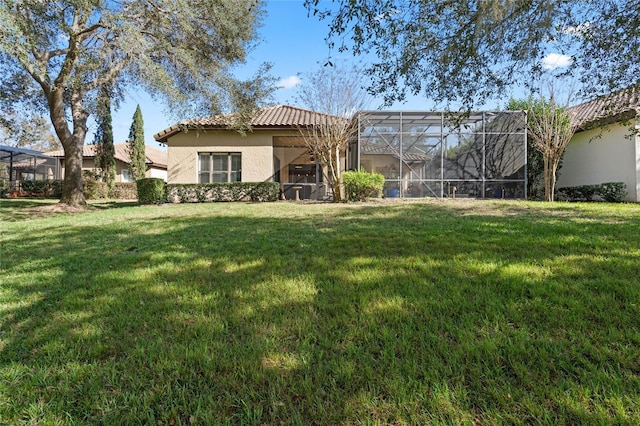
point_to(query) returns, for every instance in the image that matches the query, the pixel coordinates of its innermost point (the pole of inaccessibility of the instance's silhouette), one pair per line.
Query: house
(156, 161)
(411, 149)
(606, 147)
(206, 150)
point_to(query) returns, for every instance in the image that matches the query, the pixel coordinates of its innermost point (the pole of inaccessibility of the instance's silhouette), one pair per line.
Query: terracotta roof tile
(618, 105)
(154, 156)
(279, 116)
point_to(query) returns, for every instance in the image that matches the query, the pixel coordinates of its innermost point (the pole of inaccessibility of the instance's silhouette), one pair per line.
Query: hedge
(92, 189)
(613, 192)
(360, 185)
(43, 188)
(215, 192)
(151, 191)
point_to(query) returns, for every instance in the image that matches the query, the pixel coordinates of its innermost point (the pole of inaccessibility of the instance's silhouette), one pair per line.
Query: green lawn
(282, 313)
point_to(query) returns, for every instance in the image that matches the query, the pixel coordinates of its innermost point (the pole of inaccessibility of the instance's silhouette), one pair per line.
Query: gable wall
(601, 155)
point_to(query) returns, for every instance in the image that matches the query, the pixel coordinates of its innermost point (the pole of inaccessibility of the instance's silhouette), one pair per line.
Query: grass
(283, 313)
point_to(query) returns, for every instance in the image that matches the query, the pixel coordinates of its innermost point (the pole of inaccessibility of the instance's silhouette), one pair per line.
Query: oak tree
(469, 51)
(56, 54)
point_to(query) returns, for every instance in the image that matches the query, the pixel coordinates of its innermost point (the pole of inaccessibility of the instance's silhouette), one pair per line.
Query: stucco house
(156, 161)
(206, 150)
(605, 148)
(411, 149)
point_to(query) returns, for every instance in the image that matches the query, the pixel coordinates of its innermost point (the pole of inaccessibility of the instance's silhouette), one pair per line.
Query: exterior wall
(256, 149)
(156, 173)
(601, 155)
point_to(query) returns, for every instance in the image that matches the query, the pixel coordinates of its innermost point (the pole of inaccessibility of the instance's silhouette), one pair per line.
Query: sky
(293, 43)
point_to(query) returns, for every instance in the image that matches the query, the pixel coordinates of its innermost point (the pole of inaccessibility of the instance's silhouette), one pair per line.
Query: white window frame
(229, 172)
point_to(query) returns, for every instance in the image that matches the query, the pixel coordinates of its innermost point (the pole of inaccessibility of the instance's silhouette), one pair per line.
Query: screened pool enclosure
(439, 154)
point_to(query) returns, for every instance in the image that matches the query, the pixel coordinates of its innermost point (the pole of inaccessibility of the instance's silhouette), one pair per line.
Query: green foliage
(95, 190)
(103, 139)
(42, 188)
(360, 185)
(214, 192)
(57, 54)
(138, 163)
(535, 159)
(151, 191)
(422, 313)
(613, 192)
(124, 191)
(469, 52)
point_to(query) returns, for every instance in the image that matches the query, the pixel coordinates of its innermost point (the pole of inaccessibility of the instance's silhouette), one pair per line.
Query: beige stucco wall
(256, 149)
(601, 155)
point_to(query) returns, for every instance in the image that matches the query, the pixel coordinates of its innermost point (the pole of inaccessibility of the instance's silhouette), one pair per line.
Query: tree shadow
(381, 315)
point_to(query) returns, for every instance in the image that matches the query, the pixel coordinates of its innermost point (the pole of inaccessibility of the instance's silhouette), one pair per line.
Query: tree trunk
(72, 143)
(552, 180)
(548, 195)
(335, 172)
(72, 186)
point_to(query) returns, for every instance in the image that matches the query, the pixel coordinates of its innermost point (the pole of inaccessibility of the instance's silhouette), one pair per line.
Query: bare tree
(550, 130)
(336, 94)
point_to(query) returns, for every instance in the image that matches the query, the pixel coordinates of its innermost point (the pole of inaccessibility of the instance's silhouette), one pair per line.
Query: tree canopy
(468, 51)
(55, 55)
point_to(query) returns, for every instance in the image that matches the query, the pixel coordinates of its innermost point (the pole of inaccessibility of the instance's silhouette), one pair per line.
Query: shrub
(43, 188)
(613, 192)
(151, 191)
(124, 191)
(360, 185)
(215, 192)
(94, 190)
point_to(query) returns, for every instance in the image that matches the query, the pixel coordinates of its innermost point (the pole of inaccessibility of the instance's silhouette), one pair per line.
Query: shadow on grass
(411, 314)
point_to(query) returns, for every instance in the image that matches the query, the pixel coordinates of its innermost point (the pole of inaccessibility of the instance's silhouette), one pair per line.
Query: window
(127, 176)
(219, 167)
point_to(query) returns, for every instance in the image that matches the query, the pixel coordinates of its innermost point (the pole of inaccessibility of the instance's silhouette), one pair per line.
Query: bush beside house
(213, 192)
(151, 191)
(612, 192)
(360, 185)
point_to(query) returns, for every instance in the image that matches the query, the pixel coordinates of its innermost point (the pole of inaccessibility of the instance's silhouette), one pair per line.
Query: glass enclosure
(439, 154)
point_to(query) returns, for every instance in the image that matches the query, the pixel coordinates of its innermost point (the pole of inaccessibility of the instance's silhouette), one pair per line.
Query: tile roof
(154, 156)
(278, 117)
(606, 109)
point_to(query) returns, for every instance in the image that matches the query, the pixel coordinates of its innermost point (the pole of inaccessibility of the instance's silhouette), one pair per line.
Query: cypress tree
(103, 139)
(136, 146)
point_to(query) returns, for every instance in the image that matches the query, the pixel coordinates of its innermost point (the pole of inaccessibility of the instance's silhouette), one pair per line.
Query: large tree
(335, 93)
(57, 54)
(468, 51)
(138, 159)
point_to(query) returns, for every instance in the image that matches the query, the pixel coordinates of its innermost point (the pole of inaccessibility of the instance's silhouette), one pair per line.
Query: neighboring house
(606, 148)
(156, 161)
(206, 150)
(408, 148)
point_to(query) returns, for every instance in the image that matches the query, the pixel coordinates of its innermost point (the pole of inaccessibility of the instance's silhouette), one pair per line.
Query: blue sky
(292, 41)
